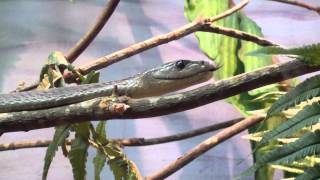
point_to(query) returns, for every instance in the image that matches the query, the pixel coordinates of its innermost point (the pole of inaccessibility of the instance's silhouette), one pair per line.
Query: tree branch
(129, 141)
(204, 147)
(238, 34)
(300, 4)
(157, 40)
(148, 44)
(177, 137)
(99, 108)
(27, 144)
(85, 41)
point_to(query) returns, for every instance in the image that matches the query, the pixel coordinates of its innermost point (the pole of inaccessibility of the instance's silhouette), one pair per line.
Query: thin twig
(204, 147)
(300, 4)
(85, 41)
(134, 49)
(177, 137)
(27, 144)
(152, 106)
(129, 141)
(238, 34)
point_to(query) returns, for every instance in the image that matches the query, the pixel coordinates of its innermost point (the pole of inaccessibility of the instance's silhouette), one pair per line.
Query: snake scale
(163, 79)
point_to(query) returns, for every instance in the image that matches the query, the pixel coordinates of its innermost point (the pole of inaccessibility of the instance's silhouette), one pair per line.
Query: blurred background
(31, 29)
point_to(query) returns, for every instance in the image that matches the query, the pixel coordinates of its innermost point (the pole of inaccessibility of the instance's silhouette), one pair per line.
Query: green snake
(166, 78)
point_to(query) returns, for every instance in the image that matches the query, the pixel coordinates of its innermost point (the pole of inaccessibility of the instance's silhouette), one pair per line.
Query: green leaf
(310, 173)
(60, 134)
(269, 50)
(306, 90)
(219, 48)
(120, 166)
(100, 159)
(57, 58)
(308, 144)
(101, 130)
(287, 168)
(251, 63)
(230, 52)
(92, 77)
(301, 152)
(44, 70)
(306, 117)
(310, 53)
(79, 151)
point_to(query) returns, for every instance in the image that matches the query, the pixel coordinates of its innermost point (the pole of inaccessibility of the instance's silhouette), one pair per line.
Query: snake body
(157, 81)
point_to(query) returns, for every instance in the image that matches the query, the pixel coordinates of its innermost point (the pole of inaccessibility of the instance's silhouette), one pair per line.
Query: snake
(169, 77)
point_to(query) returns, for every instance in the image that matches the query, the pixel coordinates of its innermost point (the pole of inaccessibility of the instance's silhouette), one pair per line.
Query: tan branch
(129, 141)
(204, 147)
(177, 137)
(149, 43)
(85, 41)
(238, 34)
(300, 4)
(27, 144)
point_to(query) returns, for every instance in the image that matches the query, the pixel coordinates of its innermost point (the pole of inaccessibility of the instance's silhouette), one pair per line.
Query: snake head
(183, 69)
(174, 76)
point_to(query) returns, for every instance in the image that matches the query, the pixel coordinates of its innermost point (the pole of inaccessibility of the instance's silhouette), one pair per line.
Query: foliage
(304, 91)
(308, 144)
(51, 76)
(79, 150)
(58, 138)
(121, 167)
(310, 173)
(309, 53)
(99, 160)
(231, 54)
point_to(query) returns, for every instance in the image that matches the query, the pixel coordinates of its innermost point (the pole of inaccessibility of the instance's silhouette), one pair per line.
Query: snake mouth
(214, 67)
(199, 73)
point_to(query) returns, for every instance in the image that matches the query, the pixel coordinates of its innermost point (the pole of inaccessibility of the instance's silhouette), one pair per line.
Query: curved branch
(238, 34)
(129, 141)
(177, 137)
(148, 44)
(85, 41)
(153, 106)
(204, 147)
(157, 40)
(300, 4)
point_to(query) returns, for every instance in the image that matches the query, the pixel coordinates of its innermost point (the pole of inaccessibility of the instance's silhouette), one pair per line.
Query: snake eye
(180, 64)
